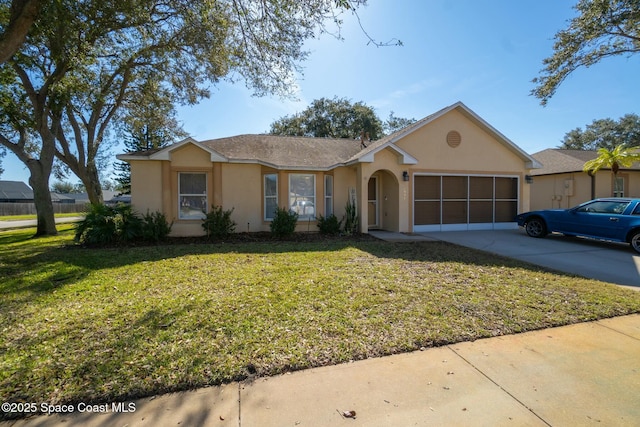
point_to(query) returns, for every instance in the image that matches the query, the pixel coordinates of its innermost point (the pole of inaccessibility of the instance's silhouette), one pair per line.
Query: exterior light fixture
(405, 176)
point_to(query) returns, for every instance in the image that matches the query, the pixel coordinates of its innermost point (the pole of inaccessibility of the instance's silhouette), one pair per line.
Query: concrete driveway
(609, 262)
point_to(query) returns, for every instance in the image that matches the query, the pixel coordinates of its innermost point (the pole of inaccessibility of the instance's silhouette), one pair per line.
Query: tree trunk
(91, 182)
(39, 182)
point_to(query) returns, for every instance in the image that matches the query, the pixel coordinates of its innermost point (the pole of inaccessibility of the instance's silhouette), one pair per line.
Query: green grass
(105, 325)
(28, 217)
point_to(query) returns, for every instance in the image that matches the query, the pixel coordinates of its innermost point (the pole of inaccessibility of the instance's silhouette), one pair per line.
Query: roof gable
(367, 154)
(165, 152)
(389, 140)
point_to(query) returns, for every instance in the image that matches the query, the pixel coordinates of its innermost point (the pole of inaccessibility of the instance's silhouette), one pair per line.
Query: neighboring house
(15, 192)
(107, 195)
(448, 171)
(19, 192)
(561, 183)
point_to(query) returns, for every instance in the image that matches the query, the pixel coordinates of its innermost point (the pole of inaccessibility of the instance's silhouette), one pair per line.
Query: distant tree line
(338, 118)
(605, 133)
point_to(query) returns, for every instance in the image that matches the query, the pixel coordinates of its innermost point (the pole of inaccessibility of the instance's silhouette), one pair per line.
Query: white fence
(30, 208)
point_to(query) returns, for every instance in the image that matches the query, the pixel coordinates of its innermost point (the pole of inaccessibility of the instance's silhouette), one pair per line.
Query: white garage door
(464, 202)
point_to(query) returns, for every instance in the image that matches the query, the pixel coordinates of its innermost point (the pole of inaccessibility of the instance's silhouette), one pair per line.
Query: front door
(373, 208)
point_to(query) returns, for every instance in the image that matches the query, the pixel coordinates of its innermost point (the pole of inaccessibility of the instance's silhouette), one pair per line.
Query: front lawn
(106, 325)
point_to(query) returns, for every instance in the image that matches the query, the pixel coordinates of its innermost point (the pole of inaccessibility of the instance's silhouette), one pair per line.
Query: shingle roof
(557, 160)
(15, 190)
(285, 151)
(290, 152)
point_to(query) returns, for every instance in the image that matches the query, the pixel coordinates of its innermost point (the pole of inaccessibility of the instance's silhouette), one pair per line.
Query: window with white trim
(618, 186)
(302, 195)
(328, 195)
(270, 195)
(192, 195)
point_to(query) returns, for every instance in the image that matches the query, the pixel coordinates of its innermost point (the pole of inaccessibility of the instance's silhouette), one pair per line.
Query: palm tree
(619, 156)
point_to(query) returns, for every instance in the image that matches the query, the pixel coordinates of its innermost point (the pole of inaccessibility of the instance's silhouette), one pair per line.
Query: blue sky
(481, 52)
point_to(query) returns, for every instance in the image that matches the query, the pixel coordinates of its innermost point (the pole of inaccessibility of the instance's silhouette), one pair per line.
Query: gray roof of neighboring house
(18, 190)
(557, 160)
(84, 197)
(15, 190)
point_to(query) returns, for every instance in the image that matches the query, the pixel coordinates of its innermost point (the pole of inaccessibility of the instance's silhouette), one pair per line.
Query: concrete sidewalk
(584, 374)
(7, 225)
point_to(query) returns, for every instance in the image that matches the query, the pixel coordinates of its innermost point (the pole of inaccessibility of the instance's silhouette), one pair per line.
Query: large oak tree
(80, 66)
(602, 28)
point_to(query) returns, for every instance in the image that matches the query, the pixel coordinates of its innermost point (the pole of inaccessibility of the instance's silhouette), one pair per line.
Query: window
(302, 195)
(604, 207)
(618, 187)
(270, 195)
(192, 195)
(328, 195)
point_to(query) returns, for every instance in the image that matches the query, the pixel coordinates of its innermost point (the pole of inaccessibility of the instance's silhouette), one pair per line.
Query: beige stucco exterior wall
(565, 190)
(242, 192)
(187, 158)
(604, 183)
(479, 153)
(146, 186)
(560, 191)
(232, 186)
(344, 178)
(393, 192)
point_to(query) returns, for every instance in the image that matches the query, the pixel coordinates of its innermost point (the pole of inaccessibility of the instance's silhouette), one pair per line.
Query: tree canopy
(81, 66)
(605, 133)
(337, 118)
(602, 28)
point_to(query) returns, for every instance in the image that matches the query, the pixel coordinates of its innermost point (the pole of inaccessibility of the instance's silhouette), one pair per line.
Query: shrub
(155, 227)
(128, 223)
(119, 224)
(97, 226)
(284, 222)
(351, 218)
(329, 225)
(106, 224)
(218, 222)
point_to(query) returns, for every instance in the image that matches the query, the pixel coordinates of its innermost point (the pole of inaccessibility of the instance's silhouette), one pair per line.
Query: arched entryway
(383, 201)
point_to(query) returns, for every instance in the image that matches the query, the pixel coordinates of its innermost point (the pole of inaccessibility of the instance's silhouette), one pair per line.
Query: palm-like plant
(620, 156)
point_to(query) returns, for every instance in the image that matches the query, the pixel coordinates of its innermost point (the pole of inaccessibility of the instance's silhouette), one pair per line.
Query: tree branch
(23, 15)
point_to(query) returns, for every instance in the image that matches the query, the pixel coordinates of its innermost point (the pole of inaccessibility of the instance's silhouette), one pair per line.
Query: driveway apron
(609, 262)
